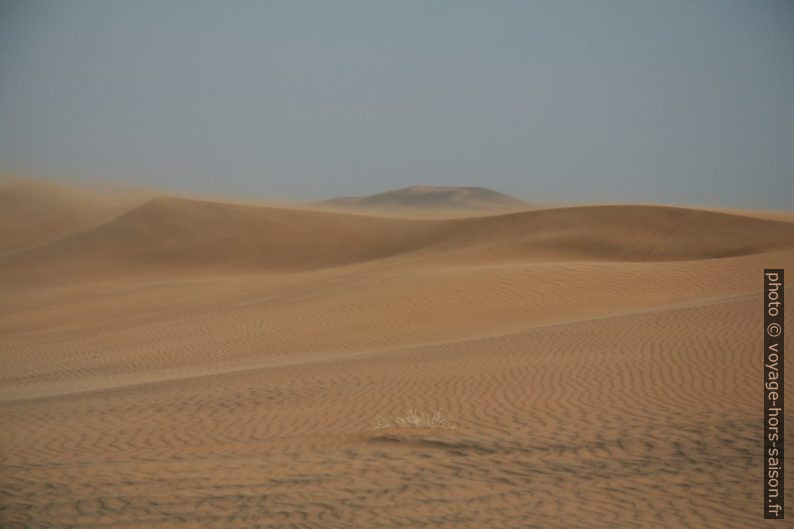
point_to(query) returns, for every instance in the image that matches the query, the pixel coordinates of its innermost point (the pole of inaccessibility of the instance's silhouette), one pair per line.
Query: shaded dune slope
(169, 231)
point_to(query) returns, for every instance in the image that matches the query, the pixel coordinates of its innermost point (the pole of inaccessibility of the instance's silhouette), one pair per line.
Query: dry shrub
(414, 419)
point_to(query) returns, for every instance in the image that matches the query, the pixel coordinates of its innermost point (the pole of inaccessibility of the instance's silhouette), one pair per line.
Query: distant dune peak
(426, 197)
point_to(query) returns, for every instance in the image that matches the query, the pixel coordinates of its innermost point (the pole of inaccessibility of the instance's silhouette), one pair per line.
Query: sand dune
(201, 235)
(185, 363)
(430, 202)
(33, 214)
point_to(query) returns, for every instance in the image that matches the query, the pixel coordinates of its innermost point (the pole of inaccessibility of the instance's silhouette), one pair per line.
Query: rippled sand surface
(189, 364)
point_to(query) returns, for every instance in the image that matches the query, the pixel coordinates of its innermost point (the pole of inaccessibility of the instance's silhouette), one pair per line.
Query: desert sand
(182, 363)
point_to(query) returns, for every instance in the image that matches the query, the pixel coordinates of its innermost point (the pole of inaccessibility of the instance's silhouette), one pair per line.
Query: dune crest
(33, 213)
(176, 232)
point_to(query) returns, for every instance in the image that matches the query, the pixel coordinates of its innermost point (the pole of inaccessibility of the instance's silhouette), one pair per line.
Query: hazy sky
(668, 101)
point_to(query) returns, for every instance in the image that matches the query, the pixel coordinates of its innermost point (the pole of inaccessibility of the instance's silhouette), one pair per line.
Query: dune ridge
(32, 214)
(203, 235)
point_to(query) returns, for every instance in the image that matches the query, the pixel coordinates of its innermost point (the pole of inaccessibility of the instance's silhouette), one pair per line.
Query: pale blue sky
(688, 102)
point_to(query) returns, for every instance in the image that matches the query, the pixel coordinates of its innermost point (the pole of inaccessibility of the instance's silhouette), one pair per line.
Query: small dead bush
(414, 419)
